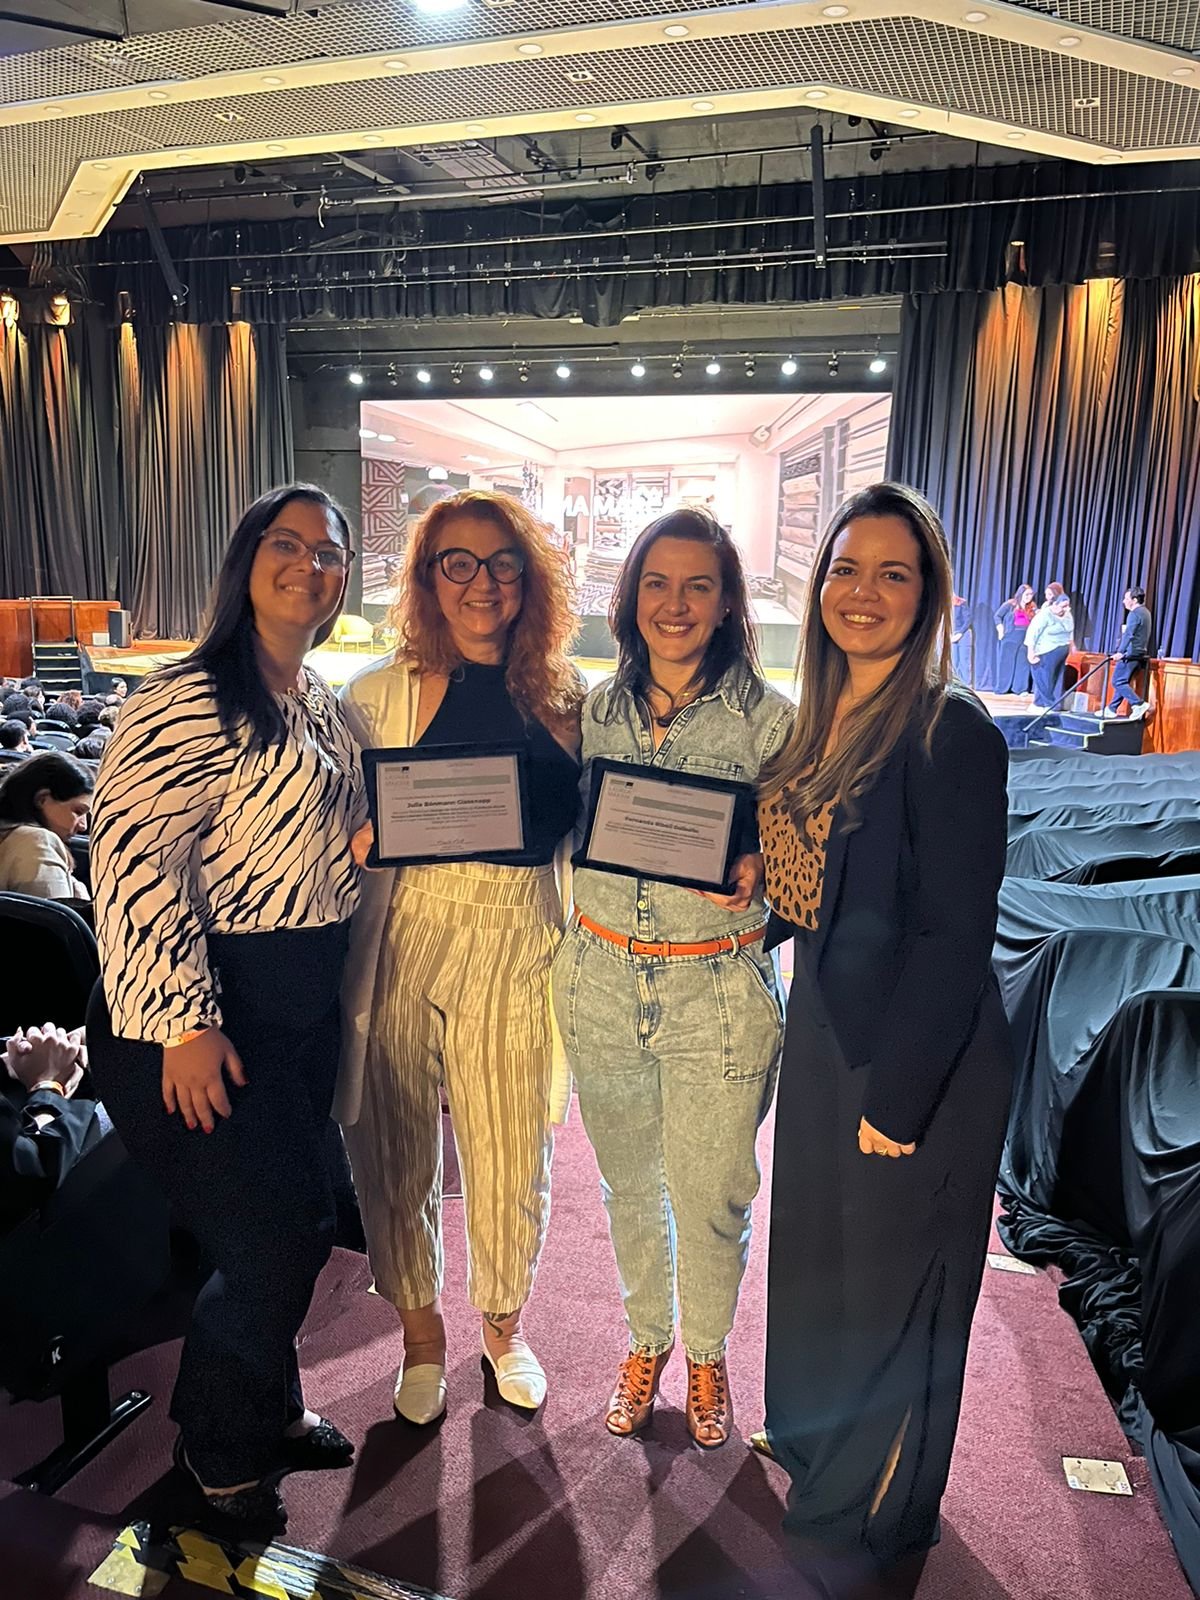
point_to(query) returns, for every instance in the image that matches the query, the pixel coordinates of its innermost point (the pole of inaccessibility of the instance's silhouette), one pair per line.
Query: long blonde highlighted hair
(540, 677)
(911, 697)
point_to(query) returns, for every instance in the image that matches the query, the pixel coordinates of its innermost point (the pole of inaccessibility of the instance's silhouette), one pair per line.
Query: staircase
(1076, 730)
(57, 667)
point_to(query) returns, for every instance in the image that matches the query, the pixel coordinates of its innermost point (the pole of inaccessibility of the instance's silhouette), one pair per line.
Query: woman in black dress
(883, 827)
(1012, 622)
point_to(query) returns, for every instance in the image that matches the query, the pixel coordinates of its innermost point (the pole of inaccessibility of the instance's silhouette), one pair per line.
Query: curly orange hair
(539, 673)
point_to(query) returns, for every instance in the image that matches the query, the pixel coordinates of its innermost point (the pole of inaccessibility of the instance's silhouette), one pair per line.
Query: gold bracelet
(184, 1038)
(53, 1085)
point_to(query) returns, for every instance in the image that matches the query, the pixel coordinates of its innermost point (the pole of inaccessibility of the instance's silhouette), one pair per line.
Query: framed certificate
(674, 827)
(446, 802)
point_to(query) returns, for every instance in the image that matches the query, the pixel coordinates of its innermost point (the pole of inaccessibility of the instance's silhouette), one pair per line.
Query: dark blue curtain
(1057, 430)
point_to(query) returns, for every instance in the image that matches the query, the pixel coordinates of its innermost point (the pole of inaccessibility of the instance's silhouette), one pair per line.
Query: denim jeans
(675, 1060)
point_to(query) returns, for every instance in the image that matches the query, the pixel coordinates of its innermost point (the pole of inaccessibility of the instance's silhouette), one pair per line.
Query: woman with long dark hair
(448, 981)
(224, 884)
(1012, 621)
(883, 829)
(668, 1007)
(44, 803)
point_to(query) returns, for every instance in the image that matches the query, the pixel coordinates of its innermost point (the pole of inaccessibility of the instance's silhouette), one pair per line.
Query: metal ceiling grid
(352, 29)
(1170, 22)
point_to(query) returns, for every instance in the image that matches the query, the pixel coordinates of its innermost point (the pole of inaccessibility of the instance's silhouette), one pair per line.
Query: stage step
(1115, 736)
(57, 667)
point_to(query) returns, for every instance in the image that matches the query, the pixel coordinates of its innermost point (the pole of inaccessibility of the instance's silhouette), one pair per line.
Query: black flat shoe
(254, 1513)
(320, 1449)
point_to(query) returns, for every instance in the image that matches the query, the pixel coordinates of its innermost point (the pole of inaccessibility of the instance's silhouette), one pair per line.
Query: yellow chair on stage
(352, 633)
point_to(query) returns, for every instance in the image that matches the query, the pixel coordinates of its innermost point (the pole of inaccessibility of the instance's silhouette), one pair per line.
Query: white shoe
(1139, 712)
(1039, 709)
(519, 1377)
(420, 1395)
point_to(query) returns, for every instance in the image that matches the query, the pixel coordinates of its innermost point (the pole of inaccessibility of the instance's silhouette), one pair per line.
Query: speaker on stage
(120, 634)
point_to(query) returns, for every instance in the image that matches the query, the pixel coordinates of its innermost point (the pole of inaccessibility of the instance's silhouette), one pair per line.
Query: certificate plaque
(674, 827)
(446, 802)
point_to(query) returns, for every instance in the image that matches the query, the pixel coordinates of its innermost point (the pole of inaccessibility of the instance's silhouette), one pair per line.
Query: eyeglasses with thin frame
(460, 566)
(329, 557)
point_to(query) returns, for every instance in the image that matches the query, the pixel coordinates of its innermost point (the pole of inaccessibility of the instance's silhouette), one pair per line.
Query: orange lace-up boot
(632, 1403)
(709, 1405)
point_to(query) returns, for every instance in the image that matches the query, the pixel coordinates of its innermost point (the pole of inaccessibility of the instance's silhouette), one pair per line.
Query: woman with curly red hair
(449, 965)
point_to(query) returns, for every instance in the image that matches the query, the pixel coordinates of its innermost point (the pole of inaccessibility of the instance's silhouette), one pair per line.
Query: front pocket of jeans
(751, 1020)
(564, 988)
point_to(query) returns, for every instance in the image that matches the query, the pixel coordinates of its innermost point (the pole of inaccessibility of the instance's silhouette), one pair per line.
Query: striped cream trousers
(461, 999)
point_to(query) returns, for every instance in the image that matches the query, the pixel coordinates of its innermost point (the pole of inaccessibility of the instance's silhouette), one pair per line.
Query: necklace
(677, 705)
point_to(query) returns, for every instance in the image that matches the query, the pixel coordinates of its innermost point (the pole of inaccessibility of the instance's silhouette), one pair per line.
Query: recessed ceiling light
(357, 379)
(1108, 160)
(277, 149)
(877, 366)
(1014, 138)
(86, 194)
(52, 111)
(365, 433)
(480, 461)
(529, 49)
(100, 166)
(975, 16)
(372, 138)
(817, 94)
(272, 81)
(159, 94)
(387, 438)
(1184, 72)
(835, 11)
(396, 66)
(677, 31)
(476, 128)
(909, 114)
(1069, 41)
(638, 369)
(702, 105)
(584, 116)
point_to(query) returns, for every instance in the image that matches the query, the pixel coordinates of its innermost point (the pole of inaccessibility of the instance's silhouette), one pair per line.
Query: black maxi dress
(875, 1262)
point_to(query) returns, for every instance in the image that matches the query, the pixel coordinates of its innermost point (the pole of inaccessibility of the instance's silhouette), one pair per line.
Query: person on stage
(224, 884)
(961, 639)
(448, 981)
(1048, 643)
(1132, 655)
(883, 828)
(669, 1008)
(1012, 620)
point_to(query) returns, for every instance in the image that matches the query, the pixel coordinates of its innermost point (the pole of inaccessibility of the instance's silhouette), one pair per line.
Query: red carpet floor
(496, 1507)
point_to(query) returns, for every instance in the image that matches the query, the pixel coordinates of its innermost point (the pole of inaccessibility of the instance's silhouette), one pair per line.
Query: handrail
(1105, 662)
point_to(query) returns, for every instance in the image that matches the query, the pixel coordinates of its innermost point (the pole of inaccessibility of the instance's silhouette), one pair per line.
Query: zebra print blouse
(193, 833)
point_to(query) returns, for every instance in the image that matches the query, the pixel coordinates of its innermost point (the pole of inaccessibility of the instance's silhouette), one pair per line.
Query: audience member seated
(90, 715)
(14, 741)
(35, 694)
(17, 704)
(63, 711)
(44, 801)
(118, 691)
(109, 714)
(92, 748)
(46, 1125)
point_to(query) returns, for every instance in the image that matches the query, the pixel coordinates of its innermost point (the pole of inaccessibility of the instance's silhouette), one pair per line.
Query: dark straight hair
(65, 778)
(226, 648)
(733, 641)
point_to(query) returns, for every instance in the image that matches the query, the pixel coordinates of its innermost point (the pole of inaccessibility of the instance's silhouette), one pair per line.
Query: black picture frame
(742, 822)
(373, 759)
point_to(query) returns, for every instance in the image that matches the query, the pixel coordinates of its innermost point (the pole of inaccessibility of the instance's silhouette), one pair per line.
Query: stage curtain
(1057, 430)
(205, 428)
(58, 488)
(602, 258)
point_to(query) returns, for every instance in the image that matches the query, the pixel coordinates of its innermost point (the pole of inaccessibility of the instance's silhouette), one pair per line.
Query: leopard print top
(795, 869)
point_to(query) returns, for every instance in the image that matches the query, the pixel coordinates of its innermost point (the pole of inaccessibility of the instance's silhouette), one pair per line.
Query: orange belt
(664, 947)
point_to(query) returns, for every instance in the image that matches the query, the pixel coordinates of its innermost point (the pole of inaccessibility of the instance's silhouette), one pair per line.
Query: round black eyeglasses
(460, 566)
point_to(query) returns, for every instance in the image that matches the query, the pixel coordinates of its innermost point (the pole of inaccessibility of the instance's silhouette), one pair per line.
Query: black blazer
(908, 916)
(34, 1160)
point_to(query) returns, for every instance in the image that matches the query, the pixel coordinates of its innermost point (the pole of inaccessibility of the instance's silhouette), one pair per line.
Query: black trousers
(875, 1267)
(255, 1192)
(1048, 676)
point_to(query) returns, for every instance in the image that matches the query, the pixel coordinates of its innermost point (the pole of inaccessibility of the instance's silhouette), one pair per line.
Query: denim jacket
(720, 735)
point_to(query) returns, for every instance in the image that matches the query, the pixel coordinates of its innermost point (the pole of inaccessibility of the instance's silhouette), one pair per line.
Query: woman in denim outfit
(668, 1006)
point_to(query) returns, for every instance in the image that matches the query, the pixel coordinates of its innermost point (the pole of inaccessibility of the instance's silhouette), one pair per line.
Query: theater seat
(74, 1273)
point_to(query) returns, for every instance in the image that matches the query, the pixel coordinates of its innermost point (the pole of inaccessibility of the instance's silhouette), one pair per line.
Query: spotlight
(833, 365)
(652, 170)
(10, 311)
(456, 372)
(877, 366)
(438, 474)
(677, 369)
(751, 367)
(788, 368)
(239, 175)
(357, 379)
(486, 374)
(638, 369)
(713, 369)
(523, 372)
(562, 371)
(424, 375)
